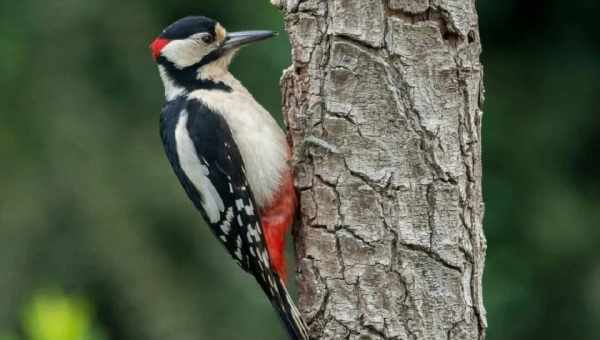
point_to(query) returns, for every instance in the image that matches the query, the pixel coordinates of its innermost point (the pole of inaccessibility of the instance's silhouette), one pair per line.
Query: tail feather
(275, 289)
(289, 313)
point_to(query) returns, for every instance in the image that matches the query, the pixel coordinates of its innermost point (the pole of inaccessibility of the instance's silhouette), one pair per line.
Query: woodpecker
(229, 154)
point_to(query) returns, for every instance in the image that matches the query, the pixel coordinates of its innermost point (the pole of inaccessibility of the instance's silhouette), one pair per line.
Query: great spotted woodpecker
(228, 153)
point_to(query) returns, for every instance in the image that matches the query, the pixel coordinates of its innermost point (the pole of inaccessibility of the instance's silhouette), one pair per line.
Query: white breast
(261, 141)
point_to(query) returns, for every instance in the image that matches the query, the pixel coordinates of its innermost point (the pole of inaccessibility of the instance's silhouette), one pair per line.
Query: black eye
(208, 38)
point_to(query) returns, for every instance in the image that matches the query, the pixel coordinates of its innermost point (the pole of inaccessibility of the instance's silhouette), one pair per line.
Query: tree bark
(383, 105)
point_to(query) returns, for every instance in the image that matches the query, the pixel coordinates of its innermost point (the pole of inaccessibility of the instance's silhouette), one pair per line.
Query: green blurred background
(98, 242)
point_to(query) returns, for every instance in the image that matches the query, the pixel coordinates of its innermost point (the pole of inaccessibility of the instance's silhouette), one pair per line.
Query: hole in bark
(447, 36)
(451, 38)
(471, 37)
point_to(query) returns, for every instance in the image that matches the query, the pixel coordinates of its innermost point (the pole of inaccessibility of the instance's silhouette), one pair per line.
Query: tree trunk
(383, 105)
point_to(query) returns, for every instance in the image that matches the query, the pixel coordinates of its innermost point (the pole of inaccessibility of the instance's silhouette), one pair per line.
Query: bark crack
(432, 13)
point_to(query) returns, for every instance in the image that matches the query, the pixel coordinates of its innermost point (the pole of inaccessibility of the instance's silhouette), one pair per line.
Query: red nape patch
(157, 45)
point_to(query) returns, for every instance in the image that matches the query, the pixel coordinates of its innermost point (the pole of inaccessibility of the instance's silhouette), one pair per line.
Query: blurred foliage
(53, 316)
(542, 173)
(8, 336)
(90, 203)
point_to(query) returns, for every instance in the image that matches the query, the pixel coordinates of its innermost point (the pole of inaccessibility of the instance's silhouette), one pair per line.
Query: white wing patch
(249, 210)
(197, 172)
(239, 203)
(226, 224)
(238, 249)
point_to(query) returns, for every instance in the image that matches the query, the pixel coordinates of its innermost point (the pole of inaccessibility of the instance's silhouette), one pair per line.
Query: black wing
(216, 185)
(237, 223)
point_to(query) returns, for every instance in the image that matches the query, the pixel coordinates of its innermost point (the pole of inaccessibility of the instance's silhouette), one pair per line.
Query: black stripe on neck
(187, 77)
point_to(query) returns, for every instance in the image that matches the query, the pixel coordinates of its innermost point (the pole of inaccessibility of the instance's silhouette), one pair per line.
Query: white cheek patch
(197, 172)
(184, 53)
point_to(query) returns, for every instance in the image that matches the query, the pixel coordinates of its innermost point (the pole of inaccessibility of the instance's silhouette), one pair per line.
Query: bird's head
(196, 42)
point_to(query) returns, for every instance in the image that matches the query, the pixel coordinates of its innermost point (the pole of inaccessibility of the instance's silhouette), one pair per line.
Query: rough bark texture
(383, 104)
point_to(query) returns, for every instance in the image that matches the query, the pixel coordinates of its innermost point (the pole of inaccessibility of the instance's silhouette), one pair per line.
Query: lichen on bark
(383, 104)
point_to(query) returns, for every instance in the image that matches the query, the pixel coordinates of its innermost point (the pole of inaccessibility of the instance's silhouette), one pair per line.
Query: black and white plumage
(214, 180)
(223, 147)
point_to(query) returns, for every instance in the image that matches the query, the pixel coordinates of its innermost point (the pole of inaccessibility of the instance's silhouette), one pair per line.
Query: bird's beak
(235, 40)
